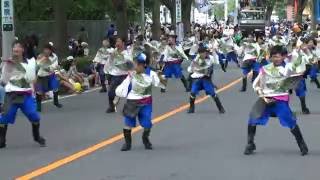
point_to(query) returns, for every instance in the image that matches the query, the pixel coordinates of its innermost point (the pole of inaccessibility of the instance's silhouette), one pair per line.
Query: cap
(141, 58)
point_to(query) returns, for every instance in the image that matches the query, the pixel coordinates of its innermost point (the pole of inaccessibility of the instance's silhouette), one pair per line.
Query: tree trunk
(268, 14)
(61, 29)
(313, 16)
(301, 5)
(173, 18)
(120, 7)
(156, 26)
(171, 5)
(186, 14)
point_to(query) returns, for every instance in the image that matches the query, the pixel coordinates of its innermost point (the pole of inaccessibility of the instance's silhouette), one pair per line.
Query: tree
(269, 4)
(120, 7)
(301, 5)
(186, 13)
(156, 26)
(171, 5)
(60, 12)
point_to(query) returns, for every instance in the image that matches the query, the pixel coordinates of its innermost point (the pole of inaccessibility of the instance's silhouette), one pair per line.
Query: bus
(252, 20)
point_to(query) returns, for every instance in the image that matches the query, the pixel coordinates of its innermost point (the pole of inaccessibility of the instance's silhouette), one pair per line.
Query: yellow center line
(56, 164)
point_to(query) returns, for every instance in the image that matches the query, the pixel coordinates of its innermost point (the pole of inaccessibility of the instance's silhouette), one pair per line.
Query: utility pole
(142, 17)
(313, 14)
(236, 14)
(8, 36)
(225, 10)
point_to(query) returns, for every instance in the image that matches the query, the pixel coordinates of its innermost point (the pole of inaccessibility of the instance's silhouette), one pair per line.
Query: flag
(203, 5)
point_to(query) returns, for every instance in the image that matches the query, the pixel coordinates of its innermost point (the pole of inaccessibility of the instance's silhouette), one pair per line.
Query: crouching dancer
(137, 88)
(272, 85)
(18, 75)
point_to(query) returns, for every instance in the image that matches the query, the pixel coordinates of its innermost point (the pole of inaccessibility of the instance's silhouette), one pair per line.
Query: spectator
(110, 31)
(83, 35)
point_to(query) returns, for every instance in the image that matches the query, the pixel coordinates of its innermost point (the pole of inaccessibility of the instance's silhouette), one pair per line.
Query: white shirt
(177, 51)
(197, 68)
(29, 76)
(140, 83)
(118, 59)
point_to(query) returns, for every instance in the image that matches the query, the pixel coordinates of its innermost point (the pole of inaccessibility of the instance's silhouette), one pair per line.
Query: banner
(178, 11)
(203, 5)
(317, 10)
(7, 15)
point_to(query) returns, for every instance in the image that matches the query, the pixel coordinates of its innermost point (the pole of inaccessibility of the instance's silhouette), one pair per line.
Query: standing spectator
(111, 32)
(83, 35)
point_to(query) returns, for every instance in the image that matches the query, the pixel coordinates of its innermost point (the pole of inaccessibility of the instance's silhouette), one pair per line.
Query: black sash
(131, 108)
(12, 98)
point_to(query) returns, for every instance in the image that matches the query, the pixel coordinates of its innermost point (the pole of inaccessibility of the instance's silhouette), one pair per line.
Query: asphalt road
(201, 146)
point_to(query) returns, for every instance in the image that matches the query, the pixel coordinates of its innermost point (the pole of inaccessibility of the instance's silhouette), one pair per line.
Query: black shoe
(192, 107)
(58, 105)
(56, 100)
(244, 85)
(251, 147)
(163, 90)
(145, 139)
(128, 140)
(300, 141)
(305, 111)
(304, 108)
(103, 89)
(219, 105)
(110, 110)
(3, 134)
(112, 107)
(36, 135)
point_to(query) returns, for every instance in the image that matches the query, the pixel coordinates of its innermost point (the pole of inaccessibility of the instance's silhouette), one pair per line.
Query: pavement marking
(56, 164)
(72, 95)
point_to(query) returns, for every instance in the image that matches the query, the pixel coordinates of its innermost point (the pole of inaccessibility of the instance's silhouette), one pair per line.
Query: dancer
(172, 58)
(136, 88)
(274, 97)
(202, 69)
(47, 80)
(18, 75)
(120, 64)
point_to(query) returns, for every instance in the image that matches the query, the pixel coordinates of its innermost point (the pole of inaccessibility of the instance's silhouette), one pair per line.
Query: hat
(84, 44)
(70, 58)
(141, 58)
(172, 34)
(203, 48)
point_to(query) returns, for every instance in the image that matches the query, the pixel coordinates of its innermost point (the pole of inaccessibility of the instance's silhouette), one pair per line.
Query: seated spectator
(73, 72)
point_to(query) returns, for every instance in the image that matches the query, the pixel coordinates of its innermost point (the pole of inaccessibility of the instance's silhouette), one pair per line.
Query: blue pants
(53, 84)
(301, 88)
(102, 75)
(253, 66)
(172, 69)
(144, 117)
(203, 84)
(313, 72)
(222, 58)
(28, 107)
(232, 56)
(282, 111)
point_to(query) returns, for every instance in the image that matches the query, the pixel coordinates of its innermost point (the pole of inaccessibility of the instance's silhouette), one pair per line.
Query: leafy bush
(82, 63)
